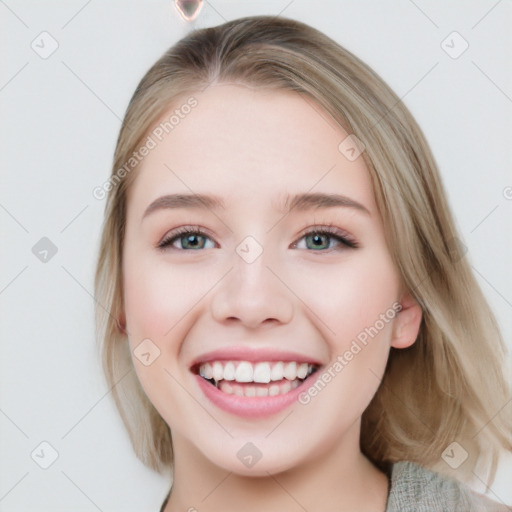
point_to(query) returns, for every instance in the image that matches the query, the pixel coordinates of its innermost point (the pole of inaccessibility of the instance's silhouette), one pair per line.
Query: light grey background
(60, 120)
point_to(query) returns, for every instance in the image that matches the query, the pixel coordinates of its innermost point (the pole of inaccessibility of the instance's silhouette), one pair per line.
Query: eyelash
(341, 236)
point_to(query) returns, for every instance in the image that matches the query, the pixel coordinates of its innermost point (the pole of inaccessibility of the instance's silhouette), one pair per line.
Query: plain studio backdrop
(67, 72)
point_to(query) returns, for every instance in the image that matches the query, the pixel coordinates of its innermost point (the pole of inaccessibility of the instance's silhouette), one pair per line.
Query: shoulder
(414, 487)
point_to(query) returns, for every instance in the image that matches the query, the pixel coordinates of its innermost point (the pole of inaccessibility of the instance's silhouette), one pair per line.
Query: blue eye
(318, 239)
(321, 239)
(191, 239)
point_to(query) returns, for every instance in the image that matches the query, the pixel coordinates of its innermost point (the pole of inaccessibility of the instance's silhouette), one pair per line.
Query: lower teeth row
(274, 389)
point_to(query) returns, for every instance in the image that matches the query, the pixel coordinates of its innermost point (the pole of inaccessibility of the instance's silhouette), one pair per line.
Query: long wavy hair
(450, 385)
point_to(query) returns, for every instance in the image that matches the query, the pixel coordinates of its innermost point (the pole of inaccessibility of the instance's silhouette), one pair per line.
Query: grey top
(418, 489)
(414, 488)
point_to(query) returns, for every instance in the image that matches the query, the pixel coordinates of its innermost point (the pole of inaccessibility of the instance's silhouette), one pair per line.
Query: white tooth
(273, 390)
(218, 371)
(244, 372)
(229, 371)
(310, 369)
(284, 388)
(237, 390)
(250, 391)
(277, 371)
(302, 371)
(295, 383)
(206, 371)
(263, 391)
(225, 387)
(262, 373)
(290, 371)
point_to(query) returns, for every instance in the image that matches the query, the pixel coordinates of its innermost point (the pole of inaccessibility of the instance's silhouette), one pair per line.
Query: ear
(407, 323)
(121, 323)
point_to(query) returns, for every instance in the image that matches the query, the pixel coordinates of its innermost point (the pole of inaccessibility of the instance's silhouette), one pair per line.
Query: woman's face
(258, 295)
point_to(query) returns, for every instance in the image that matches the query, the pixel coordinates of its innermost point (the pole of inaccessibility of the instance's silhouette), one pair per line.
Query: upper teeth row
(264, 372)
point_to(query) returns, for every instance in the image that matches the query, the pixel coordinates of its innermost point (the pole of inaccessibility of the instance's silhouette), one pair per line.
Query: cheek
(159, 305)
(356, 303)
(350, 296)
(150, 300)
(159, 296)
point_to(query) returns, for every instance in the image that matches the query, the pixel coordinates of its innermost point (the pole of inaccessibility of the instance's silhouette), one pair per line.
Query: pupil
(190, 240)
(317, 240)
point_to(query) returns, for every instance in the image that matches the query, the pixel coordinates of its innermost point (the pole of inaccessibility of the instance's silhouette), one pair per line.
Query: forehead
(250, 144)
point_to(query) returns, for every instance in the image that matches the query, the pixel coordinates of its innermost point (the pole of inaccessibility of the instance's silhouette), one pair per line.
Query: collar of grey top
(414, 487)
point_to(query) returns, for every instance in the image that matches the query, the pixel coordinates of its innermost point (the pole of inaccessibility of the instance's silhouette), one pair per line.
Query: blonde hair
(449, 386)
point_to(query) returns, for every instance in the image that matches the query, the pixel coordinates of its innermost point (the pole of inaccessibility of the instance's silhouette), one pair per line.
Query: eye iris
(317, 241)
(190, 241)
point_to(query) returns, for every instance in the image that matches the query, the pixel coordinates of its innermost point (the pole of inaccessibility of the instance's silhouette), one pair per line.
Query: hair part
(449, 386)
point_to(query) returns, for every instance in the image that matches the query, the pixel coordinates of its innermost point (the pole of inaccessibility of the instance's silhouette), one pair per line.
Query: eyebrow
(306, 201)
(320, 200)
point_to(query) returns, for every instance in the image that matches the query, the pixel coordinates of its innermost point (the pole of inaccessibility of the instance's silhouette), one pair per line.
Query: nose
(253, 295)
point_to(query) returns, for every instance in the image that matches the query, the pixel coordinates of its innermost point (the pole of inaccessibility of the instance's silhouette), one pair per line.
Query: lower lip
(249, 407)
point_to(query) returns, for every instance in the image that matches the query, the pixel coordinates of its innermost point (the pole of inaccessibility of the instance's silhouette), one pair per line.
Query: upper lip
(253, 355)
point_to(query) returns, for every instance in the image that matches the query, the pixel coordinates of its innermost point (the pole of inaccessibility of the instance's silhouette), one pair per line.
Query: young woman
(280, 268)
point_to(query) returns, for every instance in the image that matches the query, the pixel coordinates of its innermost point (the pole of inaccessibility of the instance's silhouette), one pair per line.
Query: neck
(342, 479)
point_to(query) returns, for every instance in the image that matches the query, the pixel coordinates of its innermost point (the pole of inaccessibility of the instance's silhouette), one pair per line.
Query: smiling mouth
(261, 379)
